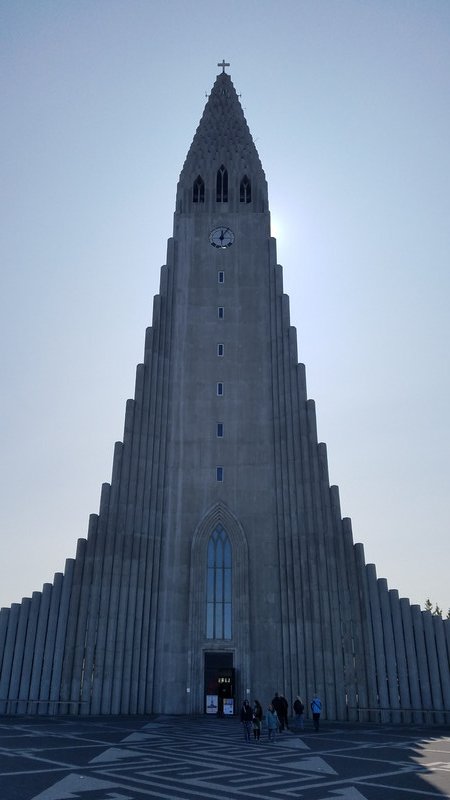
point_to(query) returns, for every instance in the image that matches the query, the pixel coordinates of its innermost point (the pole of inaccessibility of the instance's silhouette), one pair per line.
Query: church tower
(219, 567)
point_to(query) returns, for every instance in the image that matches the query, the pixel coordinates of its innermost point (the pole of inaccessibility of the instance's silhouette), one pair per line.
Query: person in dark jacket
(284, 712)
(246, 719)
(257, 720)
(299, 708)
(278, 706)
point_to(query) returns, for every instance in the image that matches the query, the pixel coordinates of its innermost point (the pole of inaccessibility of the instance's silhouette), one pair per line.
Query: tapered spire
(223, 137)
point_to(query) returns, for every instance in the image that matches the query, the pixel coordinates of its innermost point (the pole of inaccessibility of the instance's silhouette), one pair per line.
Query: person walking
(278, 705)
(299, 708)
(316, 708)
(257, 720)
(284, 712)
(246, 719)
(272, 722)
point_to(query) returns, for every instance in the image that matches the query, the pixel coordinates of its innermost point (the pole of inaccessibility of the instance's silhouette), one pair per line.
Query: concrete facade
(220, 441)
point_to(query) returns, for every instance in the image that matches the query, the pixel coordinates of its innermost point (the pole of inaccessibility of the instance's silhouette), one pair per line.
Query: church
(219, 567)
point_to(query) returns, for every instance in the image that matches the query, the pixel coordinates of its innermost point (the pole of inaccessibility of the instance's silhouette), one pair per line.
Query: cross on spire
(223, 65)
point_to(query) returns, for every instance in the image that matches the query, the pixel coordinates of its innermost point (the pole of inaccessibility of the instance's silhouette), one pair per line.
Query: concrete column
(90, 662)
(367, 644)
(422, 661)
(4, 617)
(411, 658)
(38, 655)
(380, 657)
(108, 557)
(281, 394)
(28, 654)
(134, 642)
(110, 695)
(344, 575)
(443, 661)
(143, 654)
(355, 676)
(157, 494)
(19, 647)
(8, 656)
(389, 649)
(55, 685)
(291, 544)
(49, 649)
(79, 673)
(129, 588)
(70, 635)
(336, 577)
(400, 654)
(325, 683)
(433, 667)
(312, 642)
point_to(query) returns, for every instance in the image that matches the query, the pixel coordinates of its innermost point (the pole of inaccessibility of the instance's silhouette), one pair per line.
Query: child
(272, 722)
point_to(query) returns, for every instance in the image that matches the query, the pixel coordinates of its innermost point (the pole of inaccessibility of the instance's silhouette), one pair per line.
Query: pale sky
(349, 106)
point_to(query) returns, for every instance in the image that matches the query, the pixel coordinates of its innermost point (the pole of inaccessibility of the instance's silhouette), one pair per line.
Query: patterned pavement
(206, 758)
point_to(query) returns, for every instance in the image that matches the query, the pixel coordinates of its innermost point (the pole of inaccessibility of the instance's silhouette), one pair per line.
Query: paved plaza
(193, 758)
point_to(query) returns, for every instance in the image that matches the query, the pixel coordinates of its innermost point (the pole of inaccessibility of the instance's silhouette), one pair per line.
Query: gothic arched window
(219, 577)
(245, 192)
(198, 190)
(222, 185)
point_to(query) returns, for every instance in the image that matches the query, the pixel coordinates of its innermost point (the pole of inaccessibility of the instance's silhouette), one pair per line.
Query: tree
(436, 611)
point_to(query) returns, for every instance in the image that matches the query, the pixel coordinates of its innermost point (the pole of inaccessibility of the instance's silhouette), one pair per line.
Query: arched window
(198, 190)
(218, 603)
(222, 185)
(245, 192)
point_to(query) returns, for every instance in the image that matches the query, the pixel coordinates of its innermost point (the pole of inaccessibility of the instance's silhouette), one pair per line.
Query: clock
(221, 237)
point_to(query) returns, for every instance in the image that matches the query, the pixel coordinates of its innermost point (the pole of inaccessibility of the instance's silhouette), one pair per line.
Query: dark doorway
(219, 684)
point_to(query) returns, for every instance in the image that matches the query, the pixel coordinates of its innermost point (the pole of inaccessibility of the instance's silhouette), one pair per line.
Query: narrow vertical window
(220, 430)
(219, 389)
(219, 473)
(221, 277)
(245, 190)
(198, 190)
(220, 312)
(220, 349)
(218, 586)
(222, 185)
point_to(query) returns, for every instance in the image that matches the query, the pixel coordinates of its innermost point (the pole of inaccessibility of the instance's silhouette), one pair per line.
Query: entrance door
(219, 684)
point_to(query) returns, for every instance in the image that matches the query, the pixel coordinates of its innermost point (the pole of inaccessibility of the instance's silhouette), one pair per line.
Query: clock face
(221, 237)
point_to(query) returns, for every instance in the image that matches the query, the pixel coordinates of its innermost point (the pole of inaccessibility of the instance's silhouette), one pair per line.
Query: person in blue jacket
(316, 709)
(272, 722)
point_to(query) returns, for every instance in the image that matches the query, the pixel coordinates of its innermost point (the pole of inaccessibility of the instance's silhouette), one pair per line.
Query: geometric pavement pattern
(205, 758)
